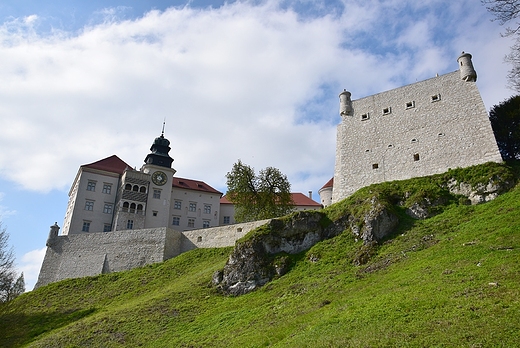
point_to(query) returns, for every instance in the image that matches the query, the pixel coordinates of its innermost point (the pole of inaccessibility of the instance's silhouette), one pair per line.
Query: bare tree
(505, 12)
(10, 286)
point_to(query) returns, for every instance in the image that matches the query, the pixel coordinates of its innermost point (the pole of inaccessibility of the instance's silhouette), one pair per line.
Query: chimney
(310, 194)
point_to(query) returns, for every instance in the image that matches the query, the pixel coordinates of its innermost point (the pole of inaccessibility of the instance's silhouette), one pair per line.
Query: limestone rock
(254, 261)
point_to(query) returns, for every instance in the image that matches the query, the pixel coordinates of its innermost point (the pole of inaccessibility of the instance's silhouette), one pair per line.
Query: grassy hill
(452, 280)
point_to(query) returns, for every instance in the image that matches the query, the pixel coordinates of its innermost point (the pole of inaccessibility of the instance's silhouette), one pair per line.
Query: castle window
(89, 205)
(193, 206)
(191, 222)
(139, 209)
(176, 221)
(390, 146)
(154, 213)
(207, 209)
(387, 111)
(86, 226)
(436, 97)
(199, 239)
(177, 205)
(375, 166)
(107, 227)
(130, 224)
(91, 186)
(367, 150)
(414, 140)
(132, 208)
(157, 194)
(107, 188)
(416, 157)
(128, 187)
(239, 229)
(365, 117)
(205, 223)
(410, 105)
(226, 220)
(142, 189)
(135, 188)
(441, 134)
(107, 209)
(126, 205)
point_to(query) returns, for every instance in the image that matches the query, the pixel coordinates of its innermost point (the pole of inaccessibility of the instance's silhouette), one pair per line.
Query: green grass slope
(452, 280)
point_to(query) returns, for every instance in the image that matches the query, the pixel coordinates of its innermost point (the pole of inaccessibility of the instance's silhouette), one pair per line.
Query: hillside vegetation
(449, 280)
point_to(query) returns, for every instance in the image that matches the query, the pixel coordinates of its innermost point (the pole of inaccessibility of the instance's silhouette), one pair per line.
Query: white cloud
(5, 211)
(241, 81)
(30, 266)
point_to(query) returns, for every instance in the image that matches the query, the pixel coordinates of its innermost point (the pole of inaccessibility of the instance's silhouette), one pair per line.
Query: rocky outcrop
(480, 193)
(260, 256)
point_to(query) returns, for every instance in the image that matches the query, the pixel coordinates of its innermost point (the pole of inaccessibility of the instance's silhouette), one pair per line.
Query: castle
(417, 130)
(119, 218)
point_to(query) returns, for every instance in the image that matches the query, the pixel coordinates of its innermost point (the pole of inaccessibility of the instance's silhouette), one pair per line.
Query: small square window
(207, 209)
(410, 105)
(436, 97)
(91, 186)
(387, 111)
(107, 228)
(199, 239)
(176, 221)
(375, 166)
(193, 206)
(107, 188)
(191, 222)
(416, 157)
(205, 224)
(365, 117)
(157, 194)
(226, 220)
(177, 205)
(154, 213)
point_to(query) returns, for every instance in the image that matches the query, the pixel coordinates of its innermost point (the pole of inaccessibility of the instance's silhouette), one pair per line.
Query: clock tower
(145, 195)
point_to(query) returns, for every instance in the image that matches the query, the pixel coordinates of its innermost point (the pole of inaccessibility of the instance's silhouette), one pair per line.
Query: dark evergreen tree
(505, 121)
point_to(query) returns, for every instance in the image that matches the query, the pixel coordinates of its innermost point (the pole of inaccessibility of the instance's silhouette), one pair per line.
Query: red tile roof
(329, 183)
(299, 199)
(195, 185)
(112, 164)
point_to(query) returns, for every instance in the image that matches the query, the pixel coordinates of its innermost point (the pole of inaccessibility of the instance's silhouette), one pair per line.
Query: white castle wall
(416, 130)
(89, 254)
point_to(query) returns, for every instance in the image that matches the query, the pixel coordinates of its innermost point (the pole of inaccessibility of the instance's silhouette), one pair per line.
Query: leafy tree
(505, 120)
(258, 197)
(506, 11)
(10, 286)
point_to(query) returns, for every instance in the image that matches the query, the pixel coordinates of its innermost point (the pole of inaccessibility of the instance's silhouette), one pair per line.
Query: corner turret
(467, 72)
(53, 234)
(345, 104)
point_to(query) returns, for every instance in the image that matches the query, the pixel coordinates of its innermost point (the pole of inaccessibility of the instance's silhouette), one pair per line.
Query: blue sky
(251, 80)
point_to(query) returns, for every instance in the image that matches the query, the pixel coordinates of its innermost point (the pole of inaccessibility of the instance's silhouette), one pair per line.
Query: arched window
(128, 187)
(125, 206)
(142, 189)
(139, 208)
(132, 208)
(135, 188)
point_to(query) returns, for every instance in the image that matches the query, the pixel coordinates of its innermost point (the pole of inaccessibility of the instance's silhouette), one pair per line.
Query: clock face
(159, 178)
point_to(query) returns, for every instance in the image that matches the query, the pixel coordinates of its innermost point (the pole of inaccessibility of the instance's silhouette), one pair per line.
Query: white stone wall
(404, 133)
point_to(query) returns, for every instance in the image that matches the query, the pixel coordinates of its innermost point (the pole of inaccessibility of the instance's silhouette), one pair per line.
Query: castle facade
(416, 130)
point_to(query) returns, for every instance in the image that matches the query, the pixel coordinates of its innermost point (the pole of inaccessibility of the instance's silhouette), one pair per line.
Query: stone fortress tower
(416, 130)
